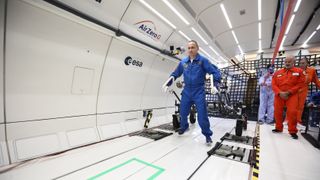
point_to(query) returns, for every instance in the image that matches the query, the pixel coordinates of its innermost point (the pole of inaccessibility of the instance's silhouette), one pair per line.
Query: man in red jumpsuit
(286, 83)
(311, 76)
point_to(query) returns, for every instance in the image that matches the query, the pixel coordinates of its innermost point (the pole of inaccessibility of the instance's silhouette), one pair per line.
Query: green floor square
(160, 170)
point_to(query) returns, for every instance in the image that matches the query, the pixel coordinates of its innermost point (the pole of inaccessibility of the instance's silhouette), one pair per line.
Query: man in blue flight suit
(194, 69)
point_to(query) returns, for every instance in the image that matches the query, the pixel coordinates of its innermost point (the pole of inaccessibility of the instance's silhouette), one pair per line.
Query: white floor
(177, 157)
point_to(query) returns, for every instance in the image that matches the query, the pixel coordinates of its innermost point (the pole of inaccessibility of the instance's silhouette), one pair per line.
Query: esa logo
(128, 60)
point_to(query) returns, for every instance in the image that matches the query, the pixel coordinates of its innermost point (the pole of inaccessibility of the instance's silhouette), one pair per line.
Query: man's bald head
(289, 62)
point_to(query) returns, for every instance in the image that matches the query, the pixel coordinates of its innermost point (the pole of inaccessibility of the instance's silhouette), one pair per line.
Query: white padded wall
(40, 78)
(2, 16)
(122, 85)
(65, 133)
(53, 68)
(4, 159)
(153, 95)
(3, 147)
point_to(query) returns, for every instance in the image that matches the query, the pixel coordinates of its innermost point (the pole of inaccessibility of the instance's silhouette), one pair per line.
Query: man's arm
(178, 71)
(315, 78)
(261, 80)
(212, 69)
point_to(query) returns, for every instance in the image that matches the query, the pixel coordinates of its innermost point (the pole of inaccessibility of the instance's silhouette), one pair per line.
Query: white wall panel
(133, 125)
(158, 117)
(122, 85)
(2, 11)
(111, 125)
(36, 146)
(153, 95)
(37, 128)
(68, 132)
(39, 77)
(111, 130)
(4, 159)
(82, 136)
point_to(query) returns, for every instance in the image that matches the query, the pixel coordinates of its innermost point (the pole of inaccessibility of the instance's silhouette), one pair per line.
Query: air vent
(242, 12)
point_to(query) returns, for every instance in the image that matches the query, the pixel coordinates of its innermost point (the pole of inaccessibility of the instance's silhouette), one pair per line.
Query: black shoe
(294, 135)
(181, 131)
(276, 131)
(208, 140)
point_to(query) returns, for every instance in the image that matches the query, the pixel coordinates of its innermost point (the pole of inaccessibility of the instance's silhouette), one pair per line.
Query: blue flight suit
(266, 99)
(194, 90)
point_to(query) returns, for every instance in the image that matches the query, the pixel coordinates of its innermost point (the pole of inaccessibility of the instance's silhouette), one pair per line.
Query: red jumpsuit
(311, 76)
(287, 80)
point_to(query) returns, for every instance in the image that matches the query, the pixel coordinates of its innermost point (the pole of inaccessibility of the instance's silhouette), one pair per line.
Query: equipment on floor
(152, 134)
(231, 152)
(239, 139)
(176, 115)
(148, 115)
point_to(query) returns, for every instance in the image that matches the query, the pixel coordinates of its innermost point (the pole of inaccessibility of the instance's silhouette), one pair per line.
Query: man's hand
(310, 104)
(284, 95)
(168, 83)
(214, 90)
(165, 88)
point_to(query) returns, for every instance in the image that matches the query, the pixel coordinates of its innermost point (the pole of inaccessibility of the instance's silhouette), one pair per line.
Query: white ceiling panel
(315, 22)
(266, 33)
(300, 20)
(227, 44)
(233, 9)
(268, 9)
(248, 37)
(109, 11)
(214, 20)
(155, 31)
(198, 7)
(164, 10)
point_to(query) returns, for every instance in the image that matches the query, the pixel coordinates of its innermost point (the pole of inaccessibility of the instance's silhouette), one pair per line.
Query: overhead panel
(198, 7)
(302, 15)
(214, 20)
(227, 43)
(268, 9)
(266, 33)
(248, 37)
(234, 7)
(164, 10)
(109, 12)
(142, 23)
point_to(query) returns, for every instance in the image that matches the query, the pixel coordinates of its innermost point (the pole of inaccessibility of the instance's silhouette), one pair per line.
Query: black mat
(153, 134)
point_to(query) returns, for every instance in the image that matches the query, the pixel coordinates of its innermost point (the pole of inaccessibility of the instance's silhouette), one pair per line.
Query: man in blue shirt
(194, 69)
(315, 102)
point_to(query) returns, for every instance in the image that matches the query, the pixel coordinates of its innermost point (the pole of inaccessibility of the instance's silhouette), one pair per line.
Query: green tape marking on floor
(160, 170)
